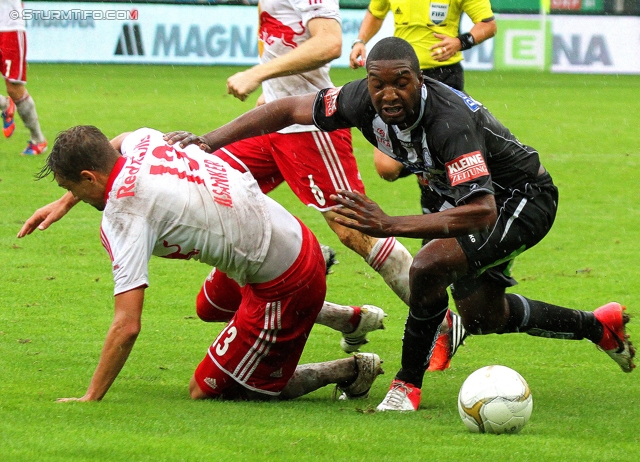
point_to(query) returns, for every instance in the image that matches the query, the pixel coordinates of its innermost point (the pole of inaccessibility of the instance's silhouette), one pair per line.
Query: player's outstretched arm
(359, 212)
(264, 119)
(118, 344)
(47, 215)
(185, 138)
(50, 213)
(324, 45)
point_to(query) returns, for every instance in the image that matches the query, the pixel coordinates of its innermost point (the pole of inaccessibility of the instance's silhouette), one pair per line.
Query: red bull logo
(271, 29)
(177, 253)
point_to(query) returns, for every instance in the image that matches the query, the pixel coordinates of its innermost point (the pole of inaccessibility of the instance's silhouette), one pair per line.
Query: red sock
(355, 317)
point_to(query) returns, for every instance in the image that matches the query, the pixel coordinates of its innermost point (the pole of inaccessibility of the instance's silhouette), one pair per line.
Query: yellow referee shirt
(417, 20)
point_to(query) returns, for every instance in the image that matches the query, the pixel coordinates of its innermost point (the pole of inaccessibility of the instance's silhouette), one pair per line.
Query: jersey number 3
(223, 342)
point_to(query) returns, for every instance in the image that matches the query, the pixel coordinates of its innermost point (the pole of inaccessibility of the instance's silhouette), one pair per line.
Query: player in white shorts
(185, 204)
(13, 65)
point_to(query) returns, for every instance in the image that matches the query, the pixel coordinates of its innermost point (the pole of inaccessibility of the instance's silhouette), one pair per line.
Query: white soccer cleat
(402, 396)
(369, 366)
(371, 318)
(329, 256)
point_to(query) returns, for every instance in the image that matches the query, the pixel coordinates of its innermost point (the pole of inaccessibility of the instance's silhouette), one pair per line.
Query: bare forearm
(370, 27)
(482, 31)
(324, 45)
(50, 213)
(115, 351)
(358, 212)
(118, 344)
(117, 141)
(311, 55)
(264, 119)
(453, 222)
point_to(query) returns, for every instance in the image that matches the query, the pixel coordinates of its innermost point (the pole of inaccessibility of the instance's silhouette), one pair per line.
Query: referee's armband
(466, 41)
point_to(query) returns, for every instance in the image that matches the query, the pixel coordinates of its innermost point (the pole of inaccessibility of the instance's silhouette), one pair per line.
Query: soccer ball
(495, 399)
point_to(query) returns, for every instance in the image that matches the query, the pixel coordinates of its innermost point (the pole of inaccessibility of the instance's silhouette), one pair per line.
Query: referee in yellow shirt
(433, 30)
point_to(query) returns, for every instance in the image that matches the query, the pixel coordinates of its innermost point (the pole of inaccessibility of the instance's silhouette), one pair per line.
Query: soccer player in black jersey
(492, 200)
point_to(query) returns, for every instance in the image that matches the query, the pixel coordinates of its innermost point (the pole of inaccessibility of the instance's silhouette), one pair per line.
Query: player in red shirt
(13, 65)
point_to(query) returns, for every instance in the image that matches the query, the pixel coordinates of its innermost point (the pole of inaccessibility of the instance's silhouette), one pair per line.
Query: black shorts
(525, 216)
(452, 75)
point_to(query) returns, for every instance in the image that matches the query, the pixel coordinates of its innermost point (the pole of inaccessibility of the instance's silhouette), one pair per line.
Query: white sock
(4, 103)
(392, 260)
(335, 316)
(27, 110)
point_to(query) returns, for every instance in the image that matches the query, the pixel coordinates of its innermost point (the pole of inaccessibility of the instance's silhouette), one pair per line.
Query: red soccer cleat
(8, 123)
(615, 341)
(34, 149)
(447, 343)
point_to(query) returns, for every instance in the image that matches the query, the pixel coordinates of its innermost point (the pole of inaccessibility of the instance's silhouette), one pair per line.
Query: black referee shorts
(525, 216)
(452, 75)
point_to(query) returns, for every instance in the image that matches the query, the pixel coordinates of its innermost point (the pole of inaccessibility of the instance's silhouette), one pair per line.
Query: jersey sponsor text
(466, 168)
(330, 101)
(219, 183)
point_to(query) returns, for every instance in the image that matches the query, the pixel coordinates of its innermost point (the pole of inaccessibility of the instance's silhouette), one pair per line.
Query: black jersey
(457, 145)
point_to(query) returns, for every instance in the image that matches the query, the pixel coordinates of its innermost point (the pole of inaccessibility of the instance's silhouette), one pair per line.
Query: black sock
(418, 342)
(545, 320)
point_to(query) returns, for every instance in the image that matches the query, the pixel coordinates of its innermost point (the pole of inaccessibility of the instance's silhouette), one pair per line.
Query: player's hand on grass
(359, 212)
(73, 400)
(242, 84)
(184, 139)
(47, 215)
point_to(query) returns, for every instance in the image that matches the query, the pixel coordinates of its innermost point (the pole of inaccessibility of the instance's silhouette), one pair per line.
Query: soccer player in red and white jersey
(186, 204)
(13, 65)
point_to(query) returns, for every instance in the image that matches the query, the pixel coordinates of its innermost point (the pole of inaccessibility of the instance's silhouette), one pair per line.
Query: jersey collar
(117, 168)
(423, 102)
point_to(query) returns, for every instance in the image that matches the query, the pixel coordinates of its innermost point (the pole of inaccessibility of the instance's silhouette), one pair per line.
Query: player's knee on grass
(194, 390)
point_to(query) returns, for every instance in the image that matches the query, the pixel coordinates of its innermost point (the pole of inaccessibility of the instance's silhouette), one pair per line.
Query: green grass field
(56, 300)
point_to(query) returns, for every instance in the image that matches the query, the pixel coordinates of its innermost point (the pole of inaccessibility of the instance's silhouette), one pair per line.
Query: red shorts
(261, 346)
(314, 164)
(13, 56)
